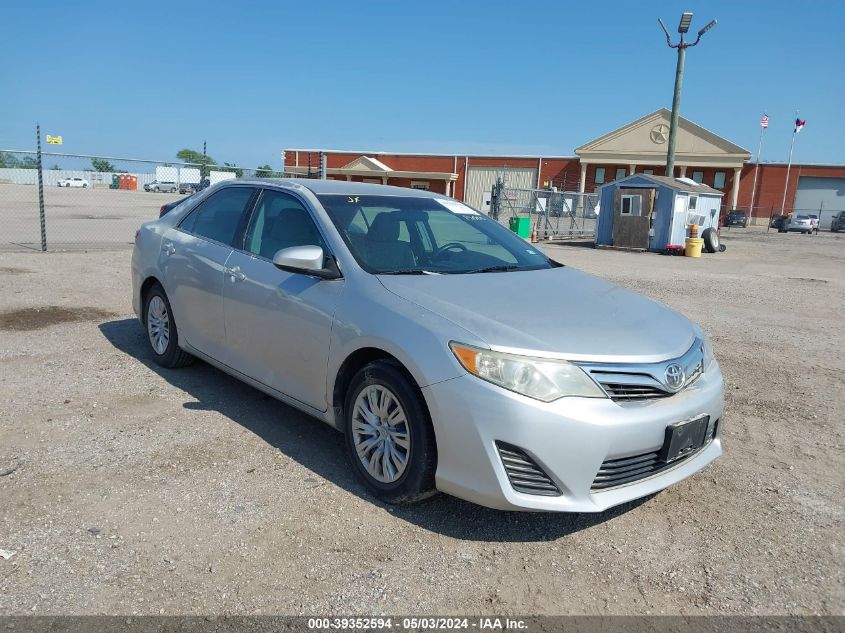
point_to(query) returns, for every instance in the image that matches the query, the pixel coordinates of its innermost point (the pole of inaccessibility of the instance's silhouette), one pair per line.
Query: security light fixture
(707, 28)
(686, 18)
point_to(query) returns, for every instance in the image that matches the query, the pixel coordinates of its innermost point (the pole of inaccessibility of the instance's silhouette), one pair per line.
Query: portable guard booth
(652, 212)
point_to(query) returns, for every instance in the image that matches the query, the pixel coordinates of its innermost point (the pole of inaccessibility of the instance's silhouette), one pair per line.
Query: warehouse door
(825, 194)
(480, 181)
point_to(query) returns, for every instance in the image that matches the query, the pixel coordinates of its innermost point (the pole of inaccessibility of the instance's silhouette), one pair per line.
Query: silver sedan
(453, 355)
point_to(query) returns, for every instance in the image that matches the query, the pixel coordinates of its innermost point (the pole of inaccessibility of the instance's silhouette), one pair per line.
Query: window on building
(621, 173)
(698, 176)
(693, 203)
(719, 180)
(599, 175)
(422, 185)
(648, 172)
(632, 204)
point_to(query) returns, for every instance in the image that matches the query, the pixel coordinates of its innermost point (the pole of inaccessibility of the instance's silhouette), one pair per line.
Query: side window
(218, 217)
(280, 221)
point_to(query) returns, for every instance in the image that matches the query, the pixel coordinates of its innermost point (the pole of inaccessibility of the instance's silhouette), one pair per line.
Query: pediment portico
(369, 169)
(642, 145)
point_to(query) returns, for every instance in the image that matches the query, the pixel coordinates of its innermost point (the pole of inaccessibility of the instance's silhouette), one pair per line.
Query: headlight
(707, 348)
(540, 378)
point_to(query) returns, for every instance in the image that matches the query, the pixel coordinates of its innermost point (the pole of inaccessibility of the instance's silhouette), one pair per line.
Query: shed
(648, 212)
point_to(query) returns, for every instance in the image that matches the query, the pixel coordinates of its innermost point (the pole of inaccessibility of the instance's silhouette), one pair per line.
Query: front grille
(615, 472)
(524, 474)
(631, 382)
(624, 392)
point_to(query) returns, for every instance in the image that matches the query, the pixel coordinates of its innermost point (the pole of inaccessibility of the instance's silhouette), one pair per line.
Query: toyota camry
(452, 354)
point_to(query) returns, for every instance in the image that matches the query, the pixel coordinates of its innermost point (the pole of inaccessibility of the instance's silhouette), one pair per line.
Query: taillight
(162, 210)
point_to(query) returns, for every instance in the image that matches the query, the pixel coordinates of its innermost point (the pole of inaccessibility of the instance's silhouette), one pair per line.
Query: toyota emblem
(675, 377)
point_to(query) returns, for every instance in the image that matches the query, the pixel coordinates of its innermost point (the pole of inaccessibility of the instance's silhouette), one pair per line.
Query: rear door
(193, 258)
(278, 323)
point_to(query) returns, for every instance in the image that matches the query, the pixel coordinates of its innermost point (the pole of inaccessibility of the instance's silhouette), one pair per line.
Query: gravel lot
(75, 217)
(137, 490)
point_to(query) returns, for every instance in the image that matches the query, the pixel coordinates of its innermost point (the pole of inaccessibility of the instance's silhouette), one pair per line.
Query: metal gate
(554, 214)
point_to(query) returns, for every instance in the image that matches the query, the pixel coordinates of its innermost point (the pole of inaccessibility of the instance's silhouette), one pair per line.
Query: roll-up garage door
(480, 181)
(825, 194)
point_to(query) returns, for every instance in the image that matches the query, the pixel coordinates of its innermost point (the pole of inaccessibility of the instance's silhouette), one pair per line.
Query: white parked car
(74, 182)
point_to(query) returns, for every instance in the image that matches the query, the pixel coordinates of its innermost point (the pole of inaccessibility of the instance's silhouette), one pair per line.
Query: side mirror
(307, 260)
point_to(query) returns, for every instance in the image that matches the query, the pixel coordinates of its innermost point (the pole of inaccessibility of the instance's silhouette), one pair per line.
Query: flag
(764, 122)
(798, 125)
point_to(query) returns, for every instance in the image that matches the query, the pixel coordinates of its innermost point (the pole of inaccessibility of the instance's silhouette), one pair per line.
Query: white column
(632, 169)
(448, 187)
(683, 171)
(735, 188)
(348, 177)
(583, 182)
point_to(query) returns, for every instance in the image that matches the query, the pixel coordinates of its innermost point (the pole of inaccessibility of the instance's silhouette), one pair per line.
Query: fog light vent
(524, 474)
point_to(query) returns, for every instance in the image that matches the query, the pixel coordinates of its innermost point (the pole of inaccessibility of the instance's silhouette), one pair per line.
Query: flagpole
(756, 169)
(788, 166)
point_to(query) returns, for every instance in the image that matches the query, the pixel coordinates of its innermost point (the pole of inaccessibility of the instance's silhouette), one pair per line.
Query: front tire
(389, 437)
(162, 334)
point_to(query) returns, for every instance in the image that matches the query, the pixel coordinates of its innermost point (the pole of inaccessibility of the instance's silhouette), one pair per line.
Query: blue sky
(252, 78)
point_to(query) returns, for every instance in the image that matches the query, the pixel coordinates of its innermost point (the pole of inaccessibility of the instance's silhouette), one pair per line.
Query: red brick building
(639, 147)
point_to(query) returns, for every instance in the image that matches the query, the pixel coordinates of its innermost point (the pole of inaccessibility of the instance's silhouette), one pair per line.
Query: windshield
(409, 235)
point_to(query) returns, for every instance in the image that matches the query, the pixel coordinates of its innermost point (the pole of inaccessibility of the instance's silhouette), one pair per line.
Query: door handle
(235, 274)
(168, 248)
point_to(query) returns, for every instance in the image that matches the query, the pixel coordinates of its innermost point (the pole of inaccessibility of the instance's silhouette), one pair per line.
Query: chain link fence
(771, 215)
(94, 202)
(554, 214)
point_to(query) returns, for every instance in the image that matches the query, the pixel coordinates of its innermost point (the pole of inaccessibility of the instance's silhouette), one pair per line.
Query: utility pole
(682, 46)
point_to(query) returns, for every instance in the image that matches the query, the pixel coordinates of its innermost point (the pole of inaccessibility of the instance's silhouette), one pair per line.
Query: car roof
(342, 187)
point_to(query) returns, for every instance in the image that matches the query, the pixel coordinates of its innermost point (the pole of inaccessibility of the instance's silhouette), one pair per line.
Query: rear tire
(389, 437)
(162, 334)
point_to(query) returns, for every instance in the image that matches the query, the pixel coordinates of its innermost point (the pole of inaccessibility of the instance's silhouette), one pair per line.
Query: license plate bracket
(683, 438)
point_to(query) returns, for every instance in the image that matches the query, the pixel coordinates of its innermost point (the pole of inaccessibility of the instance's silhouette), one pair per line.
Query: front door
(278, 323)
(632, 217)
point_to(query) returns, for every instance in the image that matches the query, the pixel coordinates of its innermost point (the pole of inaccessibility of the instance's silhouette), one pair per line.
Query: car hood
(558, 312)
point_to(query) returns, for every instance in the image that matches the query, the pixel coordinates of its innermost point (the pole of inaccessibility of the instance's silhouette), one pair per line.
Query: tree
(196, 158)
(265, 171)
(28, 162)
(55, 167)
(8, 160)
(230, 167)
(101, 164)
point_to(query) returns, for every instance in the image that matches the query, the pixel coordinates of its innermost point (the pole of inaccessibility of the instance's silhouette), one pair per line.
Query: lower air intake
(524, 474)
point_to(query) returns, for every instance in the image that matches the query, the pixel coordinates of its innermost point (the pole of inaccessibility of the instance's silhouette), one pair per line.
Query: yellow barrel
(693, 247)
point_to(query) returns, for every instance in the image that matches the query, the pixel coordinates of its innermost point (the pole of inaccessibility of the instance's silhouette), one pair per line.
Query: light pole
(682, 46)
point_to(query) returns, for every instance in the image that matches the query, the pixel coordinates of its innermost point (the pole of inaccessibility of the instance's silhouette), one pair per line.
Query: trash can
(115, 182)
(521, 226)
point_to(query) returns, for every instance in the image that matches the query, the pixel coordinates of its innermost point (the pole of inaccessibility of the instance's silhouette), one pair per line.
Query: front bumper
(569, 439)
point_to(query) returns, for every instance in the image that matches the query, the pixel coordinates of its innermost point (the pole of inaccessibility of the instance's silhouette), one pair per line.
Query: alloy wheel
(381, 434)
(158, 325)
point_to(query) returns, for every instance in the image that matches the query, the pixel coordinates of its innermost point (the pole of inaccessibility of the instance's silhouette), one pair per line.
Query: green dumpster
(521, 226)
(115, 182)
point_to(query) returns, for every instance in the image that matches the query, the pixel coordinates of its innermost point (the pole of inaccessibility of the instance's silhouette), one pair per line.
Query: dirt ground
(129, 489)
(75, 217)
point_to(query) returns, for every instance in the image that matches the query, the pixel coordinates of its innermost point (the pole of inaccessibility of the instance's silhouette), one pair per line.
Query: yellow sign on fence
(54, 140)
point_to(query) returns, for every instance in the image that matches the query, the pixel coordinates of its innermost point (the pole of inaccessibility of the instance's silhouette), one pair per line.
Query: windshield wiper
(408, 271)
(501, 268)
